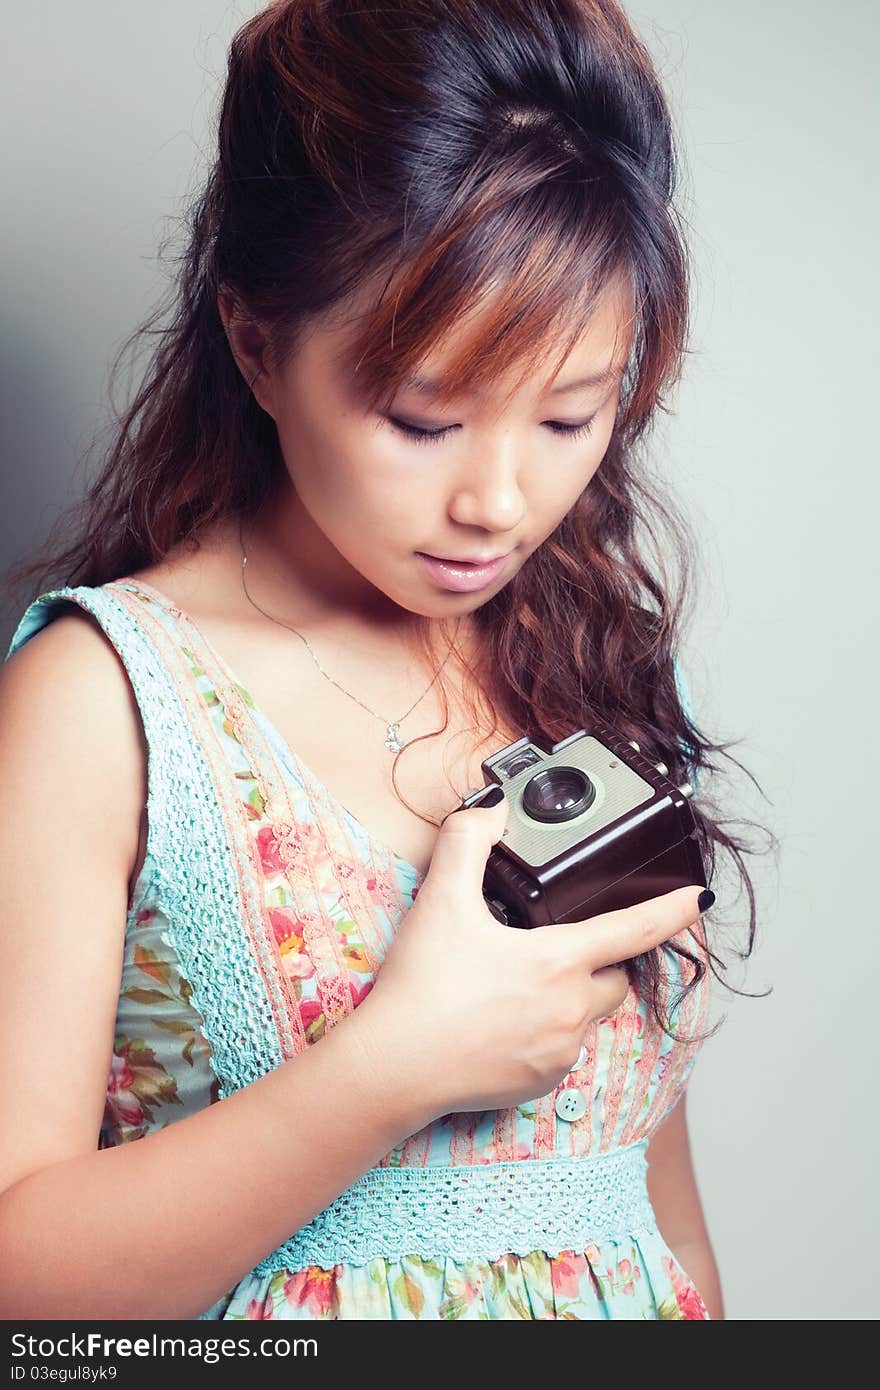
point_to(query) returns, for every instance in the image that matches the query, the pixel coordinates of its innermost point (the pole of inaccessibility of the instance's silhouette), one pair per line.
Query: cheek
(587, 473)
(558, 480)
(357, 495)
(322, 461)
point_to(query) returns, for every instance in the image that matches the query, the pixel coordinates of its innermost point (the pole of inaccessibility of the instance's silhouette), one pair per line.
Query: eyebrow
(601, 378)
(428, 386)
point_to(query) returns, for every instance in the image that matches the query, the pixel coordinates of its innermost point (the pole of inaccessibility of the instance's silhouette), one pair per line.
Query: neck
(296, 575)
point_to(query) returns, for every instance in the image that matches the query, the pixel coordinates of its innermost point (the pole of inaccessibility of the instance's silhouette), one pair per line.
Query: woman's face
(370, 491)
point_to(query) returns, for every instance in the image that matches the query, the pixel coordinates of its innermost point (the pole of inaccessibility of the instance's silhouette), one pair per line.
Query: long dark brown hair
(445, 146)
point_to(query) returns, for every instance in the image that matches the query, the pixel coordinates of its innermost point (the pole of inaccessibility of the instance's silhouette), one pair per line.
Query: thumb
(463, 845)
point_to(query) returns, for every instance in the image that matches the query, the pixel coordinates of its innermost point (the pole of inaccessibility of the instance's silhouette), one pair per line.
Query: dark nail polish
(492, 797)
(705, 900)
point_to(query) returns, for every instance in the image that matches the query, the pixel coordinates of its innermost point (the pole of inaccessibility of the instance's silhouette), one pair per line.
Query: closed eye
(573, 431)
(423, 436)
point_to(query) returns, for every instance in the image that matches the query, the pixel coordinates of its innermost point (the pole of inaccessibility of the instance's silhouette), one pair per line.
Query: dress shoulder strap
(190, 837)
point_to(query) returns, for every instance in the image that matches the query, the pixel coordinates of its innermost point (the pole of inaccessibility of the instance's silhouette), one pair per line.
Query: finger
(462, 848)
(610, 988)
(616, 936)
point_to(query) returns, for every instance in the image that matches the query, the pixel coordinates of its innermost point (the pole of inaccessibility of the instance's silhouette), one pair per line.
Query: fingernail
(492, 797)
(705, 900)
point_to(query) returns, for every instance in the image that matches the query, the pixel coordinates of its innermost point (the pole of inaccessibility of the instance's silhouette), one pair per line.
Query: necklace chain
(393, 741)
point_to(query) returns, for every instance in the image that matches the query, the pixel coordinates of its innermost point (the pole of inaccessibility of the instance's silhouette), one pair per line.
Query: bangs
(521, 289)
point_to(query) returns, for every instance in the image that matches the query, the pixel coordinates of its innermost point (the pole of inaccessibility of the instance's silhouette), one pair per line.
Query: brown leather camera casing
(632, 852)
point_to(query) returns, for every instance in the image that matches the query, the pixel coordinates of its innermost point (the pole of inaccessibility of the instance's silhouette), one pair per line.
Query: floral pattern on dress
(161, 1061)
(638, 1279)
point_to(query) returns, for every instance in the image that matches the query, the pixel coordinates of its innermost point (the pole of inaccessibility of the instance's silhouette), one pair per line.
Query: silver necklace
(393, 741)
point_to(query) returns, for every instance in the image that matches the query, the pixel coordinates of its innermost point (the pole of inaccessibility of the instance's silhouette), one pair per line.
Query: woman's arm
(164, 1226)
(672, 1187)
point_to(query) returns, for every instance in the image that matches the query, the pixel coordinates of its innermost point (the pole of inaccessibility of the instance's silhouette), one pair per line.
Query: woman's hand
(477, 1015)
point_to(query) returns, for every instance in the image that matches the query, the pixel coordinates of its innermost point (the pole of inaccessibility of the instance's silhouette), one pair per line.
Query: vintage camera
(592, 826)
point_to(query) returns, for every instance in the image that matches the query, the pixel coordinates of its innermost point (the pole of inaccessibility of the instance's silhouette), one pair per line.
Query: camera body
(592, 826)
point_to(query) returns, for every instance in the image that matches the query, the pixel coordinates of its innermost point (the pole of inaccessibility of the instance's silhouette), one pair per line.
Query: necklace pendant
(393, 741)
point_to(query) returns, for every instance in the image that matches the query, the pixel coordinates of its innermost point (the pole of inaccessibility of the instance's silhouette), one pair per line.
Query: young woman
(273, 1053)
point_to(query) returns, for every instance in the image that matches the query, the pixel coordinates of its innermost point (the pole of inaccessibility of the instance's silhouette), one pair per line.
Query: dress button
(570, 1104)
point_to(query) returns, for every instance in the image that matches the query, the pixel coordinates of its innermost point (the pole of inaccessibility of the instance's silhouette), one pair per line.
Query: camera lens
(558, 794)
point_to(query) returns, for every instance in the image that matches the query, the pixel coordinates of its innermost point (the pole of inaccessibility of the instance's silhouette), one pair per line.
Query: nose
(487, 493)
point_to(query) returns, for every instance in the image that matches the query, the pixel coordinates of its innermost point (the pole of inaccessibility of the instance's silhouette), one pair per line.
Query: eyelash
(421, 436)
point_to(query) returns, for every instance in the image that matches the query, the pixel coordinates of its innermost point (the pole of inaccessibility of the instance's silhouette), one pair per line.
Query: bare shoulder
(71, 736)
(74, 774)
(69, 668)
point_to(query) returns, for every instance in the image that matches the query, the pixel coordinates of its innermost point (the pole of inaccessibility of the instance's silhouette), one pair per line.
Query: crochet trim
(476, 1211)
(187, 841)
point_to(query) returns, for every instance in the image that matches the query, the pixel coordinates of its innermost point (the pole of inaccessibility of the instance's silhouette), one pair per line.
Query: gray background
(105, 110)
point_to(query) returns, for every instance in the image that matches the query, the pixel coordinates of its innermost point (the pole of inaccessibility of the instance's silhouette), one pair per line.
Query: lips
(461, 576)
(480, 562)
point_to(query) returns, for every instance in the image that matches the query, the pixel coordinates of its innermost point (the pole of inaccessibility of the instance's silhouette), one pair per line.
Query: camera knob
(633, 744)
(498, 910)
(686, 789)
(661, 767)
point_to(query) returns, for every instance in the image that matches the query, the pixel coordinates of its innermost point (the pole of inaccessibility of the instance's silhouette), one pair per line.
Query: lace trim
(479, 1211)
(196, 872)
